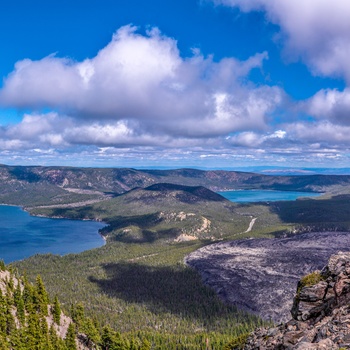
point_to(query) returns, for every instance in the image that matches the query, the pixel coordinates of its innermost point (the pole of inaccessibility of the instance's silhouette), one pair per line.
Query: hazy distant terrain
(35, 185)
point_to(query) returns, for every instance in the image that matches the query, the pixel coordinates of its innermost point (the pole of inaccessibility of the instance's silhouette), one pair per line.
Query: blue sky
(204, 83)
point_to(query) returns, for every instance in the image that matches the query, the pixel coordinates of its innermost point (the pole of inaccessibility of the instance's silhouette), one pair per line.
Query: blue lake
(245, 196)
(22, 235)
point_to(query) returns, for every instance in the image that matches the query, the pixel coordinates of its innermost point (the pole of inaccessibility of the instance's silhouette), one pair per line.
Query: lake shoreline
(25, 236)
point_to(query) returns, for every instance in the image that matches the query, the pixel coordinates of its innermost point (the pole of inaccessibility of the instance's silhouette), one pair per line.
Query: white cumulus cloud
(322, 133)
(331, 104)
(141, 81)
(318, 31)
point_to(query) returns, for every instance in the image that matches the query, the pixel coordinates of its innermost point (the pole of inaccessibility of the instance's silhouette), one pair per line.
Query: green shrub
(310, 280)
(237, 343)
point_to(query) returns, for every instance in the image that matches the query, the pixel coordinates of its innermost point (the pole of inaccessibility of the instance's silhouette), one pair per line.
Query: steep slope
(28, 321)
(321, 313)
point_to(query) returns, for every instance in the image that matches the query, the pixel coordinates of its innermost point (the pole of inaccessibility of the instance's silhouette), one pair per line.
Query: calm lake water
(244, 196)
(22, 235)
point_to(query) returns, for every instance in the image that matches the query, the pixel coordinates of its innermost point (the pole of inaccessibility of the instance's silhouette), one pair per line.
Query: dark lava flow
(261, 275)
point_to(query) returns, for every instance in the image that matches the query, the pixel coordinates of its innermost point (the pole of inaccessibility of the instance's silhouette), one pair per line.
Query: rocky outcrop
(321, 313)
(22, 306)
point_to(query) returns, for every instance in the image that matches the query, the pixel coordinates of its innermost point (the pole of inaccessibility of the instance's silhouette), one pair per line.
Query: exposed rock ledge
(321, 313)
(261, 275)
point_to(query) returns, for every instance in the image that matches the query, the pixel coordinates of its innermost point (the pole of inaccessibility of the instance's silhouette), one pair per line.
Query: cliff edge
(321, 313)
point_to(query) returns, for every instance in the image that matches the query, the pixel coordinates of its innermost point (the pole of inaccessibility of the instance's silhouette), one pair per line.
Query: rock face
(260, 275)
(321, 314)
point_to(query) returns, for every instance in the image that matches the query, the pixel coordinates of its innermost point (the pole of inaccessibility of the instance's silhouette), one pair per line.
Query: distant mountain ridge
(200, 192)
(57, 180)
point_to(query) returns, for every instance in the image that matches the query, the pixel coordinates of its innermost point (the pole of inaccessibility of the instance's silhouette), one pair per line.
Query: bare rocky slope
(321, 313)
(261, 275)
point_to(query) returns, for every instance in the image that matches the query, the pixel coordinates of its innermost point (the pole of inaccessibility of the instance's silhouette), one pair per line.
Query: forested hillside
(36, 185)
(29, 321)
(143, 291)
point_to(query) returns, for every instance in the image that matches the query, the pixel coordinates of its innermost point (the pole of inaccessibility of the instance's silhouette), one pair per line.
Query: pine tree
(55, 342)
(44, 334)
(19, 303)
(78, 315)
(33, 331)
(41, 289)
(2, 265)
(10, 321)
(11, 284)
(107, 338)
(3, 343)
(17, 340)
(21, 311)
(134, 344)
(111, 340)
(41, 296)
(3, 312)
(56, 311)
(120, 344)
(28, 296)
(146, 345)
(17, 294)
(8, 295)
(70, 338)
(91, 332)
